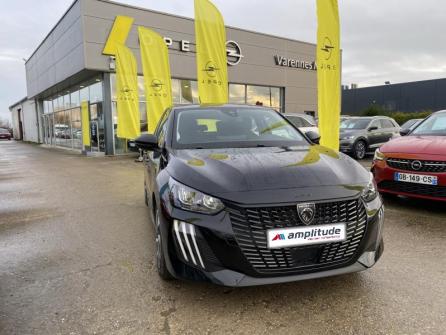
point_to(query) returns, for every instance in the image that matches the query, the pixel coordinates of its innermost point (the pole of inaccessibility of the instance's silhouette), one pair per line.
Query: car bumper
(196, 251)
(236, 279)
(385, 178)
(346, 146)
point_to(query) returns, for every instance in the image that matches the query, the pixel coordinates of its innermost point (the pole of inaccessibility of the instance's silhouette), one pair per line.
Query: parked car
(5, 134)
(303, 121)
(360, 135)
(415, 165)
(252, 201)
(411, 124)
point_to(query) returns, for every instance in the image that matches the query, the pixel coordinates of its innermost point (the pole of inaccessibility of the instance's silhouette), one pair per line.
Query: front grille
(426, 166)
(427, 190)
(250, 227)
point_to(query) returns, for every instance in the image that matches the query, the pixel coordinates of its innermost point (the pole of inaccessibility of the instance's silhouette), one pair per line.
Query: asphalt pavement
(77, 257)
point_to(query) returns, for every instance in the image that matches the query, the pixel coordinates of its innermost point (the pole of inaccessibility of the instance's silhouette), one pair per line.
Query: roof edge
(162, 13)
(18, 103)
(192, 19)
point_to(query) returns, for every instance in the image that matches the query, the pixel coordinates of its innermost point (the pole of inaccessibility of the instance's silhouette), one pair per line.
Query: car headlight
(379, 156)
(370, 192)
(192, 200)
(346, 138)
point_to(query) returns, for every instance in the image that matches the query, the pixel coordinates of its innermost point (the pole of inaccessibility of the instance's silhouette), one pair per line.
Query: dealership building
(68, 67)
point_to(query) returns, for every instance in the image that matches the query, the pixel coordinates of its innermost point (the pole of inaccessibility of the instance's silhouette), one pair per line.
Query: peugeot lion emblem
(306, 212)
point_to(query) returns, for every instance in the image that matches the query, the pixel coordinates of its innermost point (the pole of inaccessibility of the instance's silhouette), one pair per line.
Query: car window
(414, 124)
(297, 121)
(161, 129)
(376, 123)
(231, 127)
(408, 124)
(387, 123)
(358, 123)
(4, 131)
(210, 124)
(434, 126)
(306, 123)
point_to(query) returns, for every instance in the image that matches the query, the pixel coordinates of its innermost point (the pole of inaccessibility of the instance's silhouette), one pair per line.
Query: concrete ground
(77, 251)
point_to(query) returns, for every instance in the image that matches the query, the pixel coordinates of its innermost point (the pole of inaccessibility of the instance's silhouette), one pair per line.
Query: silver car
(360, 135)
(304, 122)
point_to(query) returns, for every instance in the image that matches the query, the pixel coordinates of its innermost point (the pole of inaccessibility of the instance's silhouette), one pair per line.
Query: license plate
(416, 178)
(300, 236)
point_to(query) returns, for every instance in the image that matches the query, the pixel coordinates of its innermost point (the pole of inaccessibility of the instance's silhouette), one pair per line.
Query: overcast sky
(383, 40)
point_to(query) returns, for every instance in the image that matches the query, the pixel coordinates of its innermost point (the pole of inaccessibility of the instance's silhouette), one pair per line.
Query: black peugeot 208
(240, 197)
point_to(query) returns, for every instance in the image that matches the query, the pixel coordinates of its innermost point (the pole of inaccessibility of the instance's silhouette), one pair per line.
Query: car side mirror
(404, 132)
(373, 128)
(147, 142)
(313, 137)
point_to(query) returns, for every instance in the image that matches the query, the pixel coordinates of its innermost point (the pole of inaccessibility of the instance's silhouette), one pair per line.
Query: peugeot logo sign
(234, 53)
(306, 212)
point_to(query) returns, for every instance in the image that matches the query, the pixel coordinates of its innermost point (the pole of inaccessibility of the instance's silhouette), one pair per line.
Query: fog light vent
(186, 238)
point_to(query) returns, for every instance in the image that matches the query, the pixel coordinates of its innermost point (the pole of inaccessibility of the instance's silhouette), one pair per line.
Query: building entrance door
(97, 131)
(51, 136)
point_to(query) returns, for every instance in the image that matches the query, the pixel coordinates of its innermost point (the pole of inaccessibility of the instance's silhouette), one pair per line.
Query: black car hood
(224, 171)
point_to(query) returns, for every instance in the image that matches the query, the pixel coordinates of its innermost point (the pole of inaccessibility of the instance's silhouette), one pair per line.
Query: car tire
(161, 265)
(360, 149)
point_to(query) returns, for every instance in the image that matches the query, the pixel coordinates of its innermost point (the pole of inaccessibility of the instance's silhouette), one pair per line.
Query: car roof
(196, 106)
(296, 114)
(369, 117)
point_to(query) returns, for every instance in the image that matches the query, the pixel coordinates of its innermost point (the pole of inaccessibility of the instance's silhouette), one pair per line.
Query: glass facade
(186, 92)
(62, 125)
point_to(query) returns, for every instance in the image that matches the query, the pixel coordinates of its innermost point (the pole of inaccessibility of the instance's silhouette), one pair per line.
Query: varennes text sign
(295, 63)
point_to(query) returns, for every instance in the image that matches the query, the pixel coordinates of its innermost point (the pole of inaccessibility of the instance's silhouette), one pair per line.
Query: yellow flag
(118, 35)
(127, 94)
(212, 64)
(329, 72)
(157, 80)
(85, 118)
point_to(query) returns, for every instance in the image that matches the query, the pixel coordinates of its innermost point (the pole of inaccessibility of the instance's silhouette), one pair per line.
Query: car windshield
(433, 126)
(410, 124)
(233, 127)
(355, 123)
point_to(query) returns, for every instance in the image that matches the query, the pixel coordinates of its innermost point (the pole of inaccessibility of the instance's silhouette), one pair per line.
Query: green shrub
(400, 117)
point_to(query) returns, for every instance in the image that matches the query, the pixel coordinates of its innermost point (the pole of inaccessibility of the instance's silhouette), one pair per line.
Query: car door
(388, 130)
(155, 160)
(375, 135)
